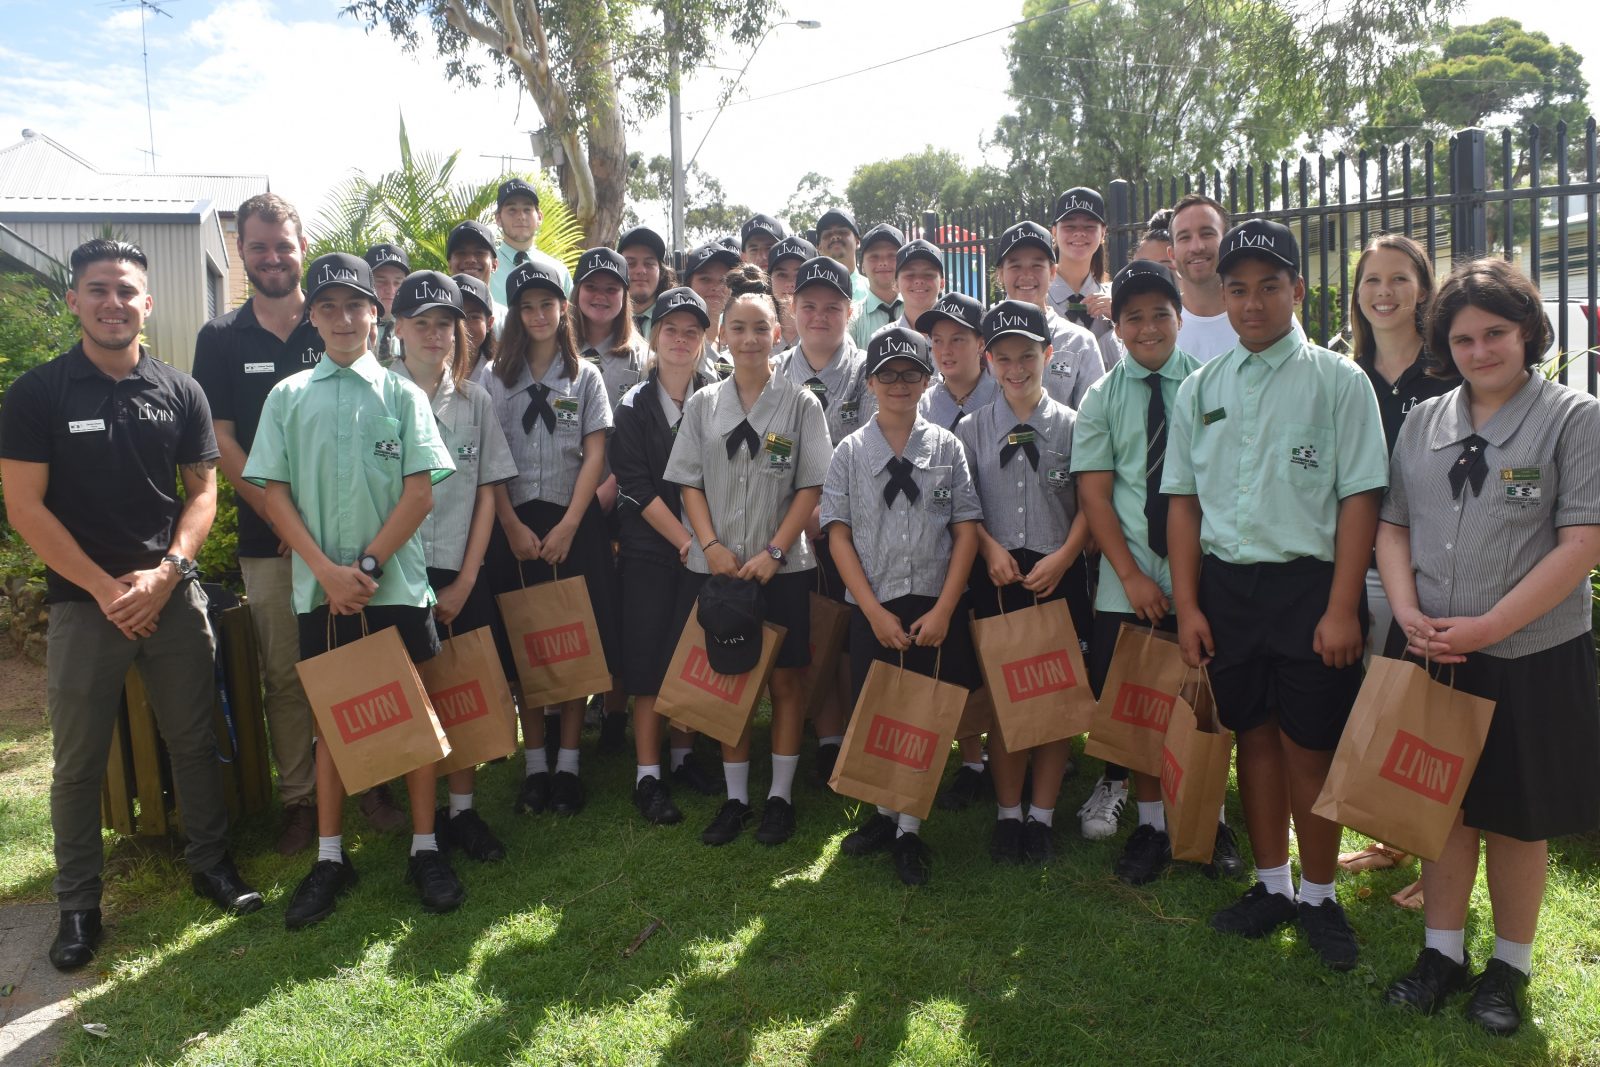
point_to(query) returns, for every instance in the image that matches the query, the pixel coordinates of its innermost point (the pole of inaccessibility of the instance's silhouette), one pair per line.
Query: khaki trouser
(269, 585)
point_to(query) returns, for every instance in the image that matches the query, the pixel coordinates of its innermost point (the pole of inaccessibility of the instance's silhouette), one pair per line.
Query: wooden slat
(243, 664)
(146, 758)
(116, 793)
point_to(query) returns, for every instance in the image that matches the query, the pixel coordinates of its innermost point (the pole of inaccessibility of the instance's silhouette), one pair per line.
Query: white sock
(679, 755)
(1222, 815)
(1043, 816)
(1152, 813)
(1003, 813)
(1518, 955)
(831, 739)
(1277, 879)
(652, 770)
(534, 761)
(331, 848)
(909, 824)
(974, 766)
(567, 760)
(1314, 893)
(1451, 944)
(424, 843)
(738, 779)
(886, 811)
(460, 802)
(783, 776)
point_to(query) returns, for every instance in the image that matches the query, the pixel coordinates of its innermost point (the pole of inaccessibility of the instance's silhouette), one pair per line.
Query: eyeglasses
(911, 377)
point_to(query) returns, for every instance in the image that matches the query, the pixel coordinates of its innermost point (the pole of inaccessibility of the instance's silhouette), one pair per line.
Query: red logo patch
(1414, 764)
(1039, 675)
(698, 673)
(459, 704)
(1171, 777)
(900, 742)
(545, 647)
(1141, 706)
(371, 712)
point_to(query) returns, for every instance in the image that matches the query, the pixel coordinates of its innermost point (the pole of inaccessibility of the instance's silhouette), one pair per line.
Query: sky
(294, 90)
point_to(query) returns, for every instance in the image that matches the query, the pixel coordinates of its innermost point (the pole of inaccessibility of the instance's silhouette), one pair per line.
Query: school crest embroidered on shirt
(850, 411)
(567, 409)
(387, 449)
(939, 496)
(1304, 456)
(467, 452)
(1058, 477)
(1061, 367)
(1520, 485)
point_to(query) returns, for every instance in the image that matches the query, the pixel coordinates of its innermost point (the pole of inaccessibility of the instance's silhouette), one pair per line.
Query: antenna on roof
(154, 6)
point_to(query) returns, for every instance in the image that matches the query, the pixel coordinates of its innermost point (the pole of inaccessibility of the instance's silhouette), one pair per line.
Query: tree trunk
(607, 145)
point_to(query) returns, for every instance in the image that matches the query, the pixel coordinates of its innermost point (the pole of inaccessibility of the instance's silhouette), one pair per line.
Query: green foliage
(929, 180)
(219, 556)
(812, 197)
(707, 214)
(35, 326)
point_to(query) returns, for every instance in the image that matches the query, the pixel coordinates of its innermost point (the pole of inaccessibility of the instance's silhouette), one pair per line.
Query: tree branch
(457, 16)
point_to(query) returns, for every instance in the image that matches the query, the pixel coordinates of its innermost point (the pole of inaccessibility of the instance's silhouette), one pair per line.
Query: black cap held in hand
(340, 268)
(1261, 239)
(897, 342)
(1015, 317)
(730, 612)
(424, 290)
(1142, 276)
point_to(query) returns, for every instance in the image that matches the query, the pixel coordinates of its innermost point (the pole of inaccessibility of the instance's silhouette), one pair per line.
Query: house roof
(19, 253)
(40, 167)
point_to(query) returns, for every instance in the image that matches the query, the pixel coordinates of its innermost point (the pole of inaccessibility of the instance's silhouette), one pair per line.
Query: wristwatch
(368, 564)
(777, 553)
(186, 567)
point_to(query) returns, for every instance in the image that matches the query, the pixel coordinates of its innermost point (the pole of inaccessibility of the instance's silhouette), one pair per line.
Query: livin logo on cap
(332, 275)
(426, 291)
(1258, 240)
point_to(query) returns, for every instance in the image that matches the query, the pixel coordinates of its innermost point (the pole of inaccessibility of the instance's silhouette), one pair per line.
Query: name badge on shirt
(86, 425)
(567, 409)
(779, 445)
(1521, 485)
(592, 357)
(260, 368)
(1023, 438)
(1213, 416)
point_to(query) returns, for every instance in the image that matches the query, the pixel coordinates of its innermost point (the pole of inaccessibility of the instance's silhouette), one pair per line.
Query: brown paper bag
(977, 717)
(1034, 670)
(830, 624)
(1406, 756)
(372, 711)
(467, 687)
(1194, 772)
(696, 697)
(555, 641)
(1135, 706)
(898, 740)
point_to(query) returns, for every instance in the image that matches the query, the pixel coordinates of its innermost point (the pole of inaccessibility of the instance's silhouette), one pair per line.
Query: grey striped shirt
(548, 463)
(1543, 453)
(845, 398)
(904, 547)
(749, 496)
(1023, 507)
(1074, 360)
(620, 373)
(939, 406)
(1105, 333)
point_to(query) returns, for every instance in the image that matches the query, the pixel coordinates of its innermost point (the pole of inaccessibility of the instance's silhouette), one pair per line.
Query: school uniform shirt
(840, 387)
(1074, 360)
(1540, 471)
(344, 439)
(548, 458)
(749, 495)
(860, 288)
(1111, 435)
(1024, 506)
(715, 363)
(938, 403)
(904, 544)
(1205, 337)
(1396, 399)
(872, 314)
(508, 259)
(1060, 294)
(473, 437)
(619, 372)
(647, 425)
(1270, 442)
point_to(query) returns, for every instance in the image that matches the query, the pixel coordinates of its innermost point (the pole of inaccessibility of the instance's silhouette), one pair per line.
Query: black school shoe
(731, 819)
(437, 885)
(1147, 853)
(566, 793)
(691, 774)
(1005, 841)
(1496, 1003)
(534, 796)
(319, 891)
(76, 939)
(827, 756)
(1038, 842)
(913, 862)
(226, 888)
(1255, 914)
(469, 833)
(1432, 980)
(965, 789)
(1225, 859)
(613, 732)
(777, 822)
(650, 796)
(874, 835)
(1328, 932)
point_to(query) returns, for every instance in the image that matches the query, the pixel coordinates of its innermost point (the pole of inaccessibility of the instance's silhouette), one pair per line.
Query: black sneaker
(732, 818)
(468, 832)
(967, 787)
(691, 774)
(1328, 932)
(874, 835)
(318, 892)
(613, 732)
(1255, 914)
(650, 796)
(913, 862)
(1225, 859)
(1145, 856)
(827, 756)
(1038, 842)
(777, 822)
(1432, 980)
(437, 885)
(566, 793)
(1496, 1003)
(1005, 841)
(534, 796)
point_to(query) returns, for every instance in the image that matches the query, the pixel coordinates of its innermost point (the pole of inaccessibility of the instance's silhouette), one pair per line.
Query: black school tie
(900, 481)
(1020, 437)
(1472, 466)
(818, 390)
(538, 408)
(1155, 454)
(520, 258)
(743, 434)
(957, 420)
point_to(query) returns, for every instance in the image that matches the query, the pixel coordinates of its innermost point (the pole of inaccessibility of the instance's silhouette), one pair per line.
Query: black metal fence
(1525, 195)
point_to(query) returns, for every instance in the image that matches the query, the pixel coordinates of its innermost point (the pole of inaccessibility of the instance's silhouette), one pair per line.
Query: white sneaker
(1099, 814)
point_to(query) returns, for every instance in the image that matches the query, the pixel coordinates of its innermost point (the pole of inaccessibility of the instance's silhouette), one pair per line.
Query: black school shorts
(415, 626)
(955, 659)
(478, 611)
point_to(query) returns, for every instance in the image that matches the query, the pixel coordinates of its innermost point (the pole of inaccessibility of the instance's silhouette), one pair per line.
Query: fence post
(1119, 221)
(930, 227)
(1469, 181)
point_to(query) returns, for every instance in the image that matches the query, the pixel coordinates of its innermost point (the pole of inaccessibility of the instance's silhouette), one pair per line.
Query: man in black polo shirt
(90, 446)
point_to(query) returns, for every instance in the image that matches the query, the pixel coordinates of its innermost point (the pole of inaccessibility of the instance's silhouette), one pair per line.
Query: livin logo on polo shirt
(310, 357)
(1304, 456)
(389, 449)
(147, 413)
(1520, 486)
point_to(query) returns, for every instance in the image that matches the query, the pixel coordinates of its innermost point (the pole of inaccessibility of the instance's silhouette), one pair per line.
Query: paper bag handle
(999, 601)
(555, 573)
(938, 657)
(331, 633)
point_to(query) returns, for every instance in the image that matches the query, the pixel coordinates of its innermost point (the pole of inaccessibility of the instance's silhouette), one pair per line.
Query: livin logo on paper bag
(901, 742)
(371, 712)
(460, 704)
(1171, 777)
(698, 673)
(1039, 675)
(1414, 764)
(545, 647)
(1140, 706)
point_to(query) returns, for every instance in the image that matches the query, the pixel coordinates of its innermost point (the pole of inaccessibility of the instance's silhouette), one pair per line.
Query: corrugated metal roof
(38, 166)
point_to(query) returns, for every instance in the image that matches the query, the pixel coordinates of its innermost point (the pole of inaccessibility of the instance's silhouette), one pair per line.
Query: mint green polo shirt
(1110, 436)
(1271, 442)
(344, 439)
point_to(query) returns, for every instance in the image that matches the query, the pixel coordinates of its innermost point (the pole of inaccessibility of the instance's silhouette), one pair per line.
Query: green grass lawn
(764, 955)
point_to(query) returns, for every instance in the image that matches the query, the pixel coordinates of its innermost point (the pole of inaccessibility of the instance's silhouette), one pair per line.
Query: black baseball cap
(424, 290)
(466, 232)
(340, 268)
(919, 249)
(730, 612)
(1015, 317)
(729, 241)
(1263, 239)
(882, 232)
(515, 187)
(759, 223)
(682, 298)
(1084, 199)
(531, 275)
(601, 260)
(1142, 276)
(474, 289)
(699, 258)
(792, 247)
(385, 254)
(959, 308)
(898, 342)
(643, 235)
(1025, 234)
(820, 270)
(838, 217)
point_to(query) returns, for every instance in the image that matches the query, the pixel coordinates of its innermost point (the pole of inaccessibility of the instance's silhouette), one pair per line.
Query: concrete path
(34, 1017)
